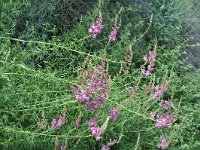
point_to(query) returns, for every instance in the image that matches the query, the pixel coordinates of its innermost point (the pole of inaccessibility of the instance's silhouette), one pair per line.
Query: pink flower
(159, 90)
(98, 138)
(150, 59)
(82, 96)
(74, 89)
(145, 58)
(113, 34)
(164, 120)
(102, 73)
(54, 124)
(105, 147)
(114, 113)
(164, 143)
(152, 115)
(143, 71)
(95, 92)
(96, 131)
(57, 124)
(96, 27)
(98, 67)
(166, 105)
(92, 122)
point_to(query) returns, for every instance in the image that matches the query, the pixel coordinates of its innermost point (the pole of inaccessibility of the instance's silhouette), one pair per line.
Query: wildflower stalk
(145, 32)
(117, 15)
(137, 143)
(115, 28)
(150, 59)
(103, 61)
(100, 4)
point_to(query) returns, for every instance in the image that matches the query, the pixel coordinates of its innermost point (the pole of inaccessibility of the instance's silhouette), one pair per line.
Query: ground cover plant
(96, 75)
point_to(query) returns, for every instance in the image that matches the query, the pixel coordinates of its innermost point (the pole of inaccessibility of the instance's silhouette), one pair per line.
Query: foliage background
(44, 43)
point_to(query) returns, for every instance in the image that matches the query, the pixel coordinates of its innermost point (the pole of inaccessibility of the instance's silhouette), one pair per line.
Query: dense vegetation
(99, 75)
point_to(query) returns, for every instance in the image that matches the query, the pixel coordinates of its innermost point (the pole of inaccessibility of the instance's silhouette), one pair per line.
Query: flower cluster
(97, 131)
(164, 120)
(149, 59)
(164, 143)
(94, 129)
(92, 122)
(166, 105)
(159, 90)
(114, 113)
(113, 34)
(57, 124)
(96, 27)
(95, 93)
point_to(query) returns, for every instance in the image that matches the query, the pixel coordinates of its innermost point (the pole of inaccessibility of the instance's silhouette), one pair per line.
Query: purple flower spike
(74, 89)
(61, 121)
(105, 147)
(113, 34)
(98, 67)
(114, 113)
(159, 90)
(96, 90)
(98, 138)
(164, 120)
(92, 123)
(95, 28)
(102, 73)
(166, 105)
(96, 131)
(54, 124)
(149, 59)
(152, 115)
(164, 143)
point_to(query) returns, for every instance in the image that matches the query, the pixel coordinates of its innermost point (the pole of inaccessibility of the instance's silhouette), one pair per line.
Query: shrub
(79, 92)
